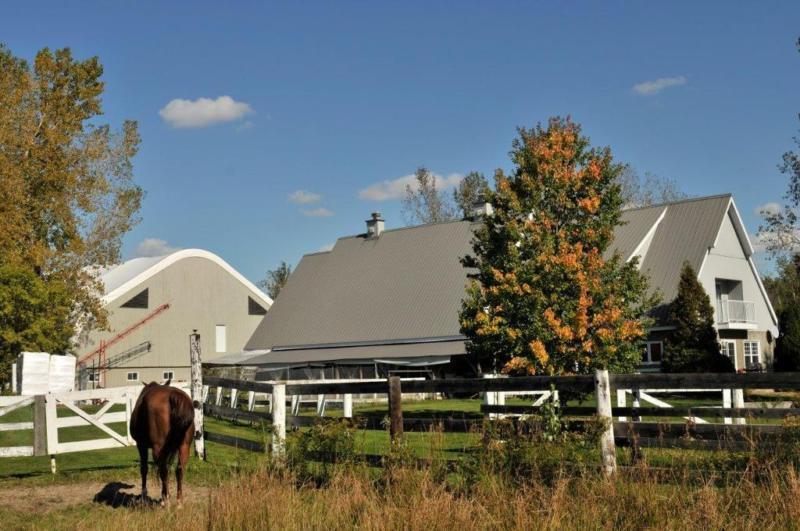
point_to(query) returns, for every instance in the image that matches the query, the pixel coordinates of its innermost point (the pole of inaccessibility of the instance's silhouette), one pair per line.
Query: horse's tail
(181, 419)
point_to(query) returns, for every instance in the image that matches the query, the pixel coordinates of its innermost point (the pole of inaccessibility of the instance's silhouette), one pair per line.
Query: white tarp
(40, 373)
(62, 374)
(34, 373)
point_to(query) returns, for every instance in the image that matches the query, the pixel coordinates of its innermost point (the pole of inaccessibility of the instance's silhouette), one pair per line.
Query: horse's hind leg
(163, 472)
(183, 458)
(143, 468)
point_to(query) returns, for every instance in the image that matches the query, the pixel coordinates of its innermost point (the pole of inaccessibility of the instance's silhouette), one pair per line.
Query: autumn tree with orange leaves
(546, 297)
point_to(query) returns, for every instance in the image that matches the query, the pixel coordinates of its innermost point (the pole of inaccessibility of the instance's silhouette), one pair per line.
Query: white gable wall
(727, 260)
(202, 295)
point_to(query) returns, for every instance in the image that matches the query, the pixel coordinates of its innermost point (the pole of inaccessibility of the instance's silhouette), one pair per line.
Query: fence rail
(690, 432)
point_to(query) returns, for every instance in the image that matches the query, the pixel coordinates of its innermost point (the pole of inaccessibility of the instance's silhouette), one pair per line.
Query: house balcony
(736, 315)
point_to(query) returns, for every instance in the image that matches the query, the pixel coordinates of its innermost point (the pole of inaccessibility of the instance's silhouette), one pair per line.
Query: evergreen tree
(544, 298)
(693, 345)
(787, 349)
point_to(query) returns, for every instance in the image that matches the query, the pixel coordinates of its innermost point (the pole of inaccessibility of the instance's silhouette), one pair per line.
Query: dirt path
(45, 498)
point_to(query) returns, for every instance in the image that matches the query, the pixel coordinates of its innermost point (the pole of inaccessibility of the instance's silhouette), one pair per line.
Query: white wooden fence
(47, 422)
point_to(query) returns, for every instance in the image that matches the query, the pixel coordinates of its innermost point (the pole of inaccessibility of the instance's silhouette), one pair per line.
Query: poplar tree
(546, 297)
(68, 197)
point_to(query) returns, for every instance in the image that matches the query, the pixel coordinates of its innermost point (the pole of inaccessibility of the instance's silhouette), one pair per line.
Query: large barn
(389, 299)
(154, 303)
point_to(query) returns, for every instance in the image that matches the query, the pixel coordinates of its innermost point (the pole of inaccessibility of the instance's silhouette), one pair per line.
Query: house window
(729, 349)
(221, 339)
(140, 300)
(168, 375)
(254, 308)
(752, 354)
(133, 376)
(652, 352)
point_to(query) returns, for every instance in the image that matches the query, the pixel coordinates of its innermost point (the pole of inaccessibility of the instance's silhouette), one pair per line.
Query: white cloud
(304, 197)
(769, 208)
(154, 247)
(203, 112)
(649, 88)
(396, 188)
(317, 213)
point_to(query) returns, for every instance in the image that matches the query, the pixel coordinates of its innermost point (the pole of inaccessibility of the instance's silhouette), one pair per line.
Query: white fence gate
(81, 404)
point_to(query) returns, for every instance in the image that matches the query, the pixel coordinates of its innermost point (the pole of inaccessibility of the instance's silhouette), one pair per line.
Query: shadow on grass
(113, 496)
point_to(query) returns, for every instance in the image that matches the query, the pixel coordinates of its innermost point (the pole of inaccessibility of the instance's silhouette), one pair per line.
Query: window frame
(220, 339)
(757, 344)
(134, 379)
(733, 358)
(648, 360)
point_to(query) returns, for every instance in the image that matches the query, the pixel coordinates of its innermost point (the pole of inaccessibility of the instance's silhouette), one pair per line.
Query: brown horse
(163, 420)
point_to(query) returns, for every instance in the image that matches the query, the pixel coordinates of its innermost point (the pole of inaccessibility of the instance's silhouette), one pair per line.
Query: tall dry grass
(413, 499)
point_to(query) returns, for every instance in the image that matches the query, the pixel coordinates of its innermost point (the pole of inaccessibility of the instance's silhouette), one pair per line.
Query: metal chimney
(375, 225)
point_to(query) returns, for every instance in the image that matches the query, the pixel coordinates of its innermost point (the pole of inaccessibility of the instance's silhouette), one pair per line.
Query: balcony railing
(731, 312)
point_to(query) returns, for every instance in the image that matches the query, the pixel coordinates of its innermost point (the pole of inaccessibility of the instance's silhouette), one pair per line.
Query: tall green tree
(784, 293)
(67, 186)
(693, 345)
(276, 279)
(544, 298)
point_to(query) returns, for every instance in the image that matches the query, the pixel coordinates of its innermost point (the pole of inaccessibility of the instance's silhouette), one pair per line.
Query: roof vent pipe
(375, 225)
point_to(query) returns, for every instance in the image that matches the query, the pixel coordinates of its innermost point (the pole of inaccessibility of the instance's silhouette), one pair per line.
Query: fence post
(347, 406)
(622, 401)
(251, 401)
(738, 402)
(39, 426)
(395, 409)
(726, 403)
(234, 398)
(51, 427)
(197, 394)
(13, 378)
(278, 420)
(608, 450)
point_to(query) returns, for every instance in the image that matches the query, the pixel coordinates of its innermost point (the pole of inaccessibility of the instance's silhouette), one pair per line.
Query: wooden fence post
(738, 402)
(726, 402)
(197, 394)
(279, 420)
(395, 409)
(39, 426)
(608, 450)
(13, 378)
(347, 406)
(51, 427)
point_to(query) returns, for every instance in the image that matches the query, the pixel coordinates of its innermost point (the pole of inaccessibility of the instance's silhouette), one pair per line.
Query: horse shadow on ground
(113, 496)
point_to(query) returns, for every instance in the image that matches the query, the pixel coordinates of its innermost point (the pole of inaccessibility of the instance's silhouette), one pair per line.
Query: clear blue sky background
(348, 94)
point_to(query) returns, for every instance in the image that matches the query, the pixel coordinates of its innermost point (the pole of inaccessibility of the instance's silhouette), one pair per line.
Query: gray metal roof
(686, 232)
(407, 285)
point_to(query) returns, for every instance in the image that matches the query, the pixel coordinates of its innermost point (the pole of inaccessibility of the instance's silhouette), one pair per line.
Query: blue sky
(334, 98)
